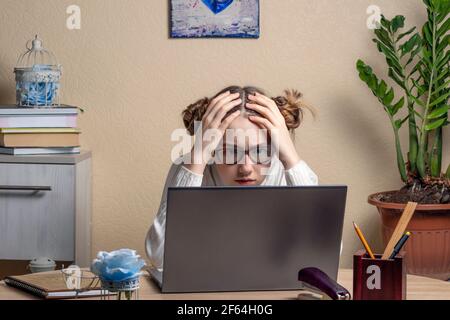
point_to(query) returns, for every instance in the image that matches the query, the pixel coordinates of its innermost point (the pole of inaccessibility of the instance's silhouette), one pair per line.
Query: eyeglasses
(231, 155)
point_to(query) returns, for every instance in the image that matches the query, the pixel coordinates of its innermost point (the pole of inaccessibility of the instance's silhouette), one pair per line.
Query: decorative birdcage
(119, 272)
(125, 289)
(38, 77)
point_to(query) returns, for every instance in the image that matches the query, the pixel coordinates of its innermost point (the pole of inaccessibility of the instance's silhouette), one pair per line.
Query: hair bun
(291, 107)
(194, 112)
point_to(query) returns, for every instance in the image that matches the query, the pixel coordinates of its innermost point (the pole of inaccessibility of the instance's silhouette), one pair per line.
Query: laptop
(222, 239)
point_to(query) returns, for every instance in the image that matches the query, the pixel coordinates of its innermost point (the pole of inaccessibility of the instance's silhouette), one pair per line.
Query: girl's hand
(273, 121)
(213, 119)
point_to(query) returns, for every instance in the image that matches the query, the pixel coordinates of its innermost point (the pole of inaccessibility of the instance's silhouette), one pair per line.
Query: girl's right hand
(213, 119)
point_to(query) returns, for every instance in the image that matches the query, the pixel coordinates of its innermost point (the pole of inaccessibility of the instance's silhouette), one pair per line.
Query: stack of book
(39, 130)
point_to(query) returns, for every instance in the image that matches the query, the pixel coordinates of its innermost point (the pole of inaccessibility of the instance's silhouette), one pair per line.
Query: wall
(133, 82)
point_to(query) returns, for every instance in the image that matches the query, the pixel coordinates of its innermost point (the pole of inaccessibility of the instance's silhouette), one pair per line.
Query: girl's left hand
(273, 121)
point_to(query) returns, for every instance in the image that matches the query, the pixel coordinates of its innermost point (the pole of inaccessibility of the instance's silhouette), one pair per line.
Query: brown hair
(290, 106)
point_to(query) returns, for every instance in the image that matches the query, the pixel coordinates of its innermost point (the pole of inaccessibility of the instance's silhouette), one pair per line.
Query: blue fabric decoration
(117, 265)
(217, 6)
(38, 93)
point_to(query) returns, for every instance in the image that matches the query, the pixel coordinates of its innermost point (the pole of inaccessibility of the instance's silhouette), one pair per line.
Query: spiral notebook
(52, 285)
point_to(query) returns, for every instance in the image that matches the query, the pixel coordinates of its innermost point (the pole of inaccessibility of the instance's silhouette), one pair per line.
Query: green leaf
(441, 87)
(368, 69)
(401, 36)
(423, 71)
(398, 106)
(389, 97)
(373, 83)
(383, 36)
(360, 65)
(413, 55)
(444, 60)
(397, 23)
(426, 30)
(444, 43)
(426, 58)
(399, 123)
(409, 45)
(363, 77)
(394, 77)
(439, 112)
(387, 50)
(420, 89)
(418, 101)
(385, 23)
(444, 74)
(381, 91)
(418, 115)
(439, 100)
(441, 6)
(444, 28)
(447, 173)
(436, 124)
(395, 67)
(390, 55)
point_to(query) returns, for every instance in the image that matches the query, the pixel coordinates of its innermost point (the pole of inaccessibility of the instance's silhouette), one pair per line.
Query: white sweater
(179, 176)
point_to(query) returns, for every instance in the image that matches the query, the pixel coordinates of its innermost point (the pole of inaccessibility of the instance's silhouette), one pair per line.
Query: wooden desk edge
(419, 288)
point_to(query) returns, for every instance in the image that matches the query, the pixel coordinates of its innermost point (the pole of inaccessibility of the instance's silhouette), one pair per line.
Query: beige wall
(134, 81)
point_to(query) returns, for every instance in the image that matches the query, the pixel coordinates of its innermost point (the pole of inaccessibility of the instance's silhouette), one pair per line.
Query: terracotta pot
(428, 249)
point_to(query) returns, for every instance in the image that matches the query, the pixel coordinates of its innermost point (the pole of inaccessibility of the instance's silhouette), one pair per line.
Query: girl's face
(244, 163)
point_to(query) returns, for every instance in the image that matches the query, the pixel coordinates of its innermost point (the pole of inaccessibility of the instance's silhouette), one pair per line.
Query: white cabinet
(45, 207)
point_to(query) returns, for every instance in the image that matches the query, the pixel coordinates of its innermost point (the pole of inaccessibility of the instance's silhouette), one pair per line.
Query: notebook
(52, 285)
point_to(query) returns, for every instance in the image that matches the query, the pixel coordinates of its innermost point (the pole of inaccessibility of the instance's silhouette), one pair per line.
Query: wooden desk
(419, 288)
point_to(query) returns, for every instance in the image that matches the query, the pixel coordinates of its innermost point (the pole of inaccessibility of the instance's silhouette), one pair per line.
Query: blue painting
(214, 18)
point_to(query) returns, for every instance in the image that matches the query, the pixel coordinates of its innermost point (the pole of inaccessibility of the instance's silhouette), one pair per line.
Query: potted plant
(419, 66)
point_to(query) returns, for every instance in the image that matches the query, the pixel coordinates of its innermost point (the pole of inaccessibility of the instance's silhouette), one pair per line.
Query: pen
(400, 244)
(363, 240)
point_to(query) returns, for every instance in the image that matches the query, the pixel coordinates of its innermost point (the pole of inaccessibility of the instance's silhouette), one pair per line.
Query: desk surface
(418, 288)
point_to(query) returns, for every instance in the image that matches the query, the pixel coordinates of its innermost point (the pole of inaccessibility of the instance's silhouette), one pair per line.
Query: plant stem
(447, 173)
(398, 147)
(436, 154)
(423, 145)
(412, 125)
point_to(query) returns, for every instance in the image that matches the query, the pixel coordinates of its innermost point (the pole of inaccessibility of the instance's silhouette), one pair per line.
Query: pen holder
(376, 279)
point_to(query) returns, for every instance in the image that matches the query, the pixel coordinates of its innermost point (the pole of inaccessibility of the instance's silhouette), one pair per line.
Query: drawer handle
(26, 188)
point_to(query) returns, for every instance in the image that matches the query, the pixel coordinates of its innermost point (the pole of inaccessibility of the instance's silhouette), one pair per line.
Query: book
(25, 151)
(52, 285)
(38, 121)
(40, 139)
(38, 130)
(21, 117)
(6, 110)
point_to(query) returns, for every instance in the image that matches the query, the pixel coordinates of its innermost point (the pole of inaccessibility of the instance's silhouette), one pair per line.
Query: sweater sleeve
(301, 175)
(178, 176)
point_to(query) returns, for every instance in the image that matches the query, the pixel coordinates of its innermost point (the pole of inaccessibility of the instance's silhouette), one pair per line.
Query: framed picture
(214, 18)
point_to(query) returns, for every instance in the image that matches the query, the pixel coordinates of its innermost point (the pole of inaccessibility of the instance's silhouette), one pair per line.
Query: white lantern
(37, 77)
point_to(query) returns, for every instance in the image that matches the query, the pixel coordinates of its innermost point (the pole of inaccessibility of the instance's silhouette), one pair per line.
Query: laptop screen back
(250, 238)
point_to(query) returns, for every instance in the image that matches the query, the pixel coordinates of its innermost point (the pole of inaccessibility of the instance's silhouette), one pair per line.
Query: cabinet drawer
(37, 211)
